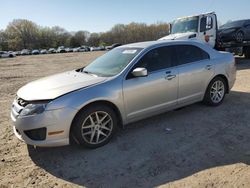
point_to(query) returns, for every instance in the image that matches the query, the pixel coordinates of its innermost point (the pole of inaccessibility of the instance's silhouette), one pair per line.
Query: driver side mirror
(140, 72)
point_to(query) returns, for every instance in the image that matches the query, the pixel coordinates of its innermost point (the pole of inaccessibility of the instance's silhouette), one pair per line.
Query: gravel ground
(196, 146)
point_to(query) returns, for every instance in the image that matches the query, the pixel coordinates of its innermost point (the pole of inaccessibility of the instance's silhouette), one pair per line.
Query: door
(195, 70)
(208, 27)
(145, 96)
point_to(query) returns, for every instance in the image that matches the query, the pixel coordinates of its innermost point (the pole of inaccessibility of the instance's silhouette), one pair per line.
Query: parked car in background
(52, 50)
(12, 54)
(238, 31)
(17, 53)
(113, 46)
(61, 49)
(35, 52)
(93, 49)
(43, 51)
(87, 49)
(7, 54)
(100, 48)
(69, 49)
(75, 49)
(126, 84)
(79, 49)
(25, 52)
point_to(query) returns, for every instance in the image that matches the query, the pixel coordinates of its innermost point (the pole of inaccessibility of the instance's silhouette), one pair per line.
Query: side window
(248, 25)
(206, 23)
(190, 53)
(156, 59)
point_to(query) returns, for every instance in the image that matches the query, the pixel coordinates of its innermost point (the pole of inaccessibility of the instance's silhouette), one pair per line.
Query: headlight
(32, 109)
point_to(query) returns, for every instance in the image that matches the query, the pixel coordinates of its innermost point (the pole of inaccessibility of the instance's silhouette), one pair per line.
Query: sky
(101, 15)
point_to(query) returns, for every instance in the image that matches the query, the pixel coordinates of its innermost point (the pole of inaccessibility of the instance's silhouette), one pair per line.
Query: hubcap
(97, 127)
(217, 91)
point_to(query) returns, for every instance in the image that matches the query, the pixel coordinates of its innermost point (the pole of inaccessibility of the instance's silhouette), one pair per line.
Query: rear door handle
(170, 77)
(209, 67)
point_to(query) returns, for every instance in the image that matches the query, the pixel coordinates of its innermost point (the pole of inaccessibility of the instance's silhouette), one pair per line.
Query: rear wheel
(215, 92)
(94, 126)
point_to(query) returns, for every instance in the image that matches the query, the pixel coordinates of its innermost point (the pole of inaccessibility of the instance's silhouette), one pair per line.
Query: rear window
(189, 53)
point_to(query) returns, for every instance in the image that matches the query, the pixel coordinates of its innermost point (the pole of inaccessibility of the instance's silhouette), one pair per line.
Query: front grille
(37, 134)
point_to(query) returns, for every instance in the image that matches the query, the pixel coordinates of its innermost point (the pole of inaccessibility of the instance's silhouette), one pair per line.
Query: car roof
(151, 44)
(156, 43)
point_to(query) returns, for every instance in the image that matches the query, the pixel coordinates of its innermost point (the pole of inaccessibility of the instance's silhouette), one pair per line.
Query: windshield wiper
(87, 72)
(91, 73)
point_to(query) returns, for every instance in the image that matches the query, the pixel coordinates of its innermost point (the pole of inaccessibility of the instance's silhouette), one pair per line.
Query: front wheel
(94, 126)
(215, 92)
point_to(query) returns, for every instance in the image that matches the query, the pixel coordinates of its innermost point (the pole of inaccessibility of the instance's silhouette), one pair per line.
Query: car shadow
(158, 150)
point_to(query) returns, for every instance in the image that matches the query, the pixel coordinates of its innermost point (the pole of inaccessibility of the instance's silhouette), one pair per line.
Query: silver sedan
(126, 84)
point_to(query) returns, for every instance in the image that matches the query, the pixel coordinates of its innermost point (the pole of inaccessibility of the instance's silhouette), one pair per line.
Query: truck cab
(201, 27)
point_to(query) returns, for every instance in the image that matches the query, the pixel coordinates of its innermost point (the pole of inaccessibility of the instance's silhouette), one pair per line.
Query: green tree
(78, 39)
(94, 39)
(3, 40)
(22, 34)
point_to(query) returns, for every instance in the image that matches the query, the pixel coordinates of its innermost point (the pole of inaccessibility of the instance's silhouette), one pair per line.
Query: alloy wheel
(97, 127)
(217, 91)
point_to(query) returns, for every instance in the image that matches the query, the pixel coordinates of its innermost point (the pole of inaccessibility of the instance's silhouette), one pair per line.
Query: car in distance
(113, 46)
(25, 52)
(7, 54)
(52, 50)
(43, 51)
(17, 53)
(69, 49)
(61, 49)
(87, 49)
(237, 31)
(126, 84)
(35, 52)
(79, 49)
(100, 48)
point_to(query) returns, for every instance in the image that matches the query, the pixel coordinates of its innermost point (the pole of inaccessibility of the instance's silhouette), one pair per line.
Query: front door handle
(170, 77)
(209, 67)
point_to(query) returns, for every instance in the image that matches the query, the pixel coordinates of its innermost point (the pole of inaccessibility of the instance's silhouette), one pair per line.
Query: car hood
(179, 36)
(56, 85)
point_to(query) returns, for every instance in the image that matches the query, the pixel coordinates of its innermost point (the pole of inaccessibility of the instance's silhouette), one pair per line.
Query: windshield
(239, 23)
(185, 25)
(113, 62)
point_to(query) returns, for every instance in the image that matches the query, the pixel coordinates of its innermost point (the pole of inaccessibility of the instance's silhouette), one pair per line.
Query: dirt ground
(206, 146)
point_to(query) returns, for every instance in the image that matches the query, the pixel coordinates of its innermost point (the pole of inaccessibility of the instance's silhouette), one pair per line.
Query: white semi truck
(204, 27)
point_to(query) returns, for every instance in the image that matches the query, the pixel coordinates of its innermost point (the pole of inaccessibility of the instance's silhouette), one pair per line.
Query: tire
(215, 94)
(87, 132)
(239, 37)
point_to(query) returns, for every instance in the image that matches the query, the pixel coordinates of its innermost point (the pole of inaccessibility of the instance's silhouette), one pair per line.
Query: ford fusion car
(128, 83)
(238, 31)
